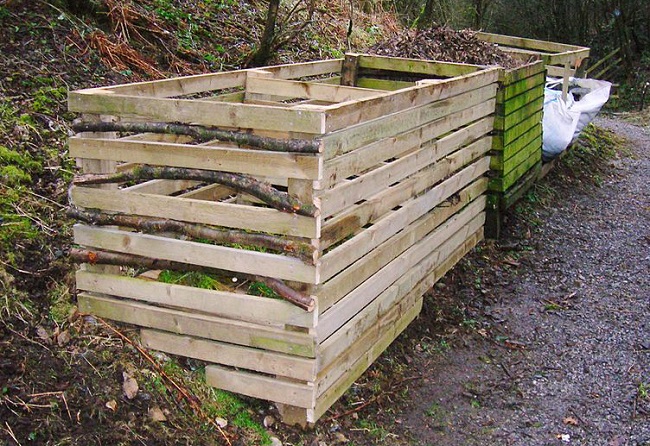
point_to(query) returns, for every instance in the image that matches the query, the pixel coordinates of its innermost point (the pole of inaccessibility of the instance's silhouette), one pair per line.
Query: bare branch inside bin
(293, 248)
(203, 134)
(96, 257)
(279, 200)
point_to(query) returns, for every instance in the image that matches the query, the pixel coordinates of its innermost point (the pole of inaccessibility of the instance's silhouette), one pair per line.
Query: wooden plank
(517, 102)
(343, 255)
(357, 216)
(211, 192)
(345, 195)
(505, 138)
(259, 310)
(359, 160)
(529, 44)
(161, 187)
(188, 85)
(195, 253)
(260, 386)
(350, 113)
(198, 112)
(510, 76)
(515, 117)
(410, 286)
(197, 211)
(378, 346)
(294, 367)
(514, 147)
(200, 325)
(310, 90)
(356, 300)
(364, 267)
(516, 88)
(554, 71)
(343, 141)
(522, 185)
(532, 148)
(503, 183)
(212, 157)
(574, 58)
(428, 68)
(383, 84)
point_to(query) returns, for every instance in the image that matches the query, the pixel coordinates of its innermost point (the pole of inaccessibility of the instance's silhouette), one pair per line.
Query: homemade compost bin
(348, 201)
(517, 159)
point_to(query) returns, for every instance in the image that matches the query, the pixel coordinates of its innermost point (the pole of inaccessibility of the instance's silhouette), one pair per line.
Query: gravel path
(564, 354)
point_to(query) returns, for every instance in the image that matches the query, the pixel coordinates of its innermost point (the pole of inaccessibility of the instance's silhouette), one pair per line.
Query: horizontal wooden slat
(227, 159)
(341, 142)
(161, 187)
(195, 253)
(200, 325)
(351, 304)
(503, 138)
(530, 44)
(336, 288)
(197, 211)
(223, 304)
(573, 57)
(197, 111)
(359, 160)
(355, 248)
(512, 75)
(383, 84)
(309, 90)
(262, 387)
(219, 81)
(519, 115)
(348, 114)
(262, 361)
(416, 281)
(534, 148)
(508, 91)
(417, 66)
(503, 183)
(517, 102)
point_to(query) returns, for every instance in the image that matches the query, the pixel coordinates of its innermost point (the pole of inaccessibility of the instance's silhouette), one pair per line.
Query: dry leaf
(43, 335)
(129, 386)
(570, 421)
(221, 422)
(269, 421)
(63, 338)
(156, 414)
(112, 404)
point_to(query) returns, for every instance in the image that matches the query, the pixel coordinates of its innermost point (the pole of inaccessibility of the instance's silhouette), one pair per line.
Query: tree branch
(114, 258)
(203, 134)
(303, 251)
(244, 183)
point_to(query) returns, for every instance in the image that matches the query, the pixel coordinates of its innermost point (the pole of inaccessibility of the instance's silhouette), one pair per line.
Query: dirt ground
(559, 350)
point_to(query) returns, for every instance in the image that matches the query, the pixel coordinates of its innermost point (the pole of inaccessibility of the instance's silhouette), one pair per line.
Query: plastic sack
(564, 120)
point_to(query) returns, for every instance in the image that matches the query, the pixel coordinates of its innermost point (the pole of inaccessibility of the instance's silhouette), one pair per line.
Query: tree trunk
(263, 54)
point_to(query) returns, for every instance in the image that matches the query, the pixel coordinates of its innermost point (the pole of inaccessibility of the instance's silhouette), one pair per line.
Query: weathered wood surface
(200, 325)
(224, 304)
(268, 362)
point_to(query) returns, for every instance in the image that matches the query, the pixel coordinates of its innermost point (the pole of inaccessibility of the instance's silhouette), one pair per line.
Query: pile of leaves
(446, 44)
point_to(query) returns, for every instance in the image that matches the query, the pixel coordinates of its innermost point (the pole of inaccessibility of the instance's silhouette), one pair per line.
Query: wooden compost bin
(388, 193)
(517, 144)
(517, 159)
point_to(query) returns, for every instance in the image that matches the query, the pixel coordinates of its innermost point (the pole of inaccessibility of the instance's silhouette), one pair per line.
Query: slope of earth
(560, 307)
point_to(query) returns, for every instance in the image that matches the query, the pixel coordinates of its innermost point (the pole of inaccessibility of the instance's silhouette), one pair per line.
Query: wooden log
(293, 248)
(93, 257)
(202, 134)
(194, 253)
(197, 211)
(259, 189)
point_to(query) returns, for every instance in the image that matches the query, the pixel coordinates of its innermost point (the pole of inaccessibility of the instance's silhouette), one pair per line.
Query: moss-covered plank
(503, 183)
(512, 119)
(504, 138)
(382, 84)
(522, 86)
(508, 77)
(519, 101)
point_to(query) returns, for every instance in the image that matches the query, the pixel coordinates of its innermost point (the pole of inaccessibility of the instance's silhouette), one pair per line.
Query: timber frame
(395, 187)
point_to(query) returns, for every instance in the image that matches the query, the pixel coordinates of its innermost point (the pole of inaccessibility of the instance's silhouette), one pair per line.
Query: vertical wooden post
(565, 80)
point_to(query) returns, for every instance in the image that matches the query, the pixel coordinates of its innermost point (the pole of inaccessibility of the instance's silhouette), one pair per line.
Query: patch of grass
(644, 390)
(62, 305)
(194, 279)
